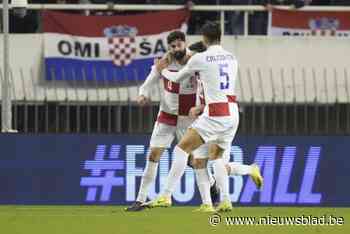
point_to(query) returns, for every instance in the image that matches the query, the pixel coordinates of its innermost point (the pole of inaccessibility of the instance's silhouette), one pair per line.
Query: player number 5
(224, 84)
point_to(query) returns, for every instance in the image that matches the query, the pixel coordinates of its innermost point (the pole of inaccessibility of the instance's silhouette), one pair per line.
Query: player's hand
(187, 57)
(169, 57)
(142, 100)
(161, 64)
(194, 112)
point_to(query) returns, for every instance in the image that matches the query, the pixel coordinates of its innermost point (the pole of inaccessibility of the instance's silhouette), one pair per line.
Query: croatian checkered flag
(121, 42)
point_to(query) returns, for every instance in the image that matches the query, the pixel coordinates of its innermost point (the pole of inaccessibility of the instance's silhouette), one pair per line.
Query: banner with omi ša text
(106, 48)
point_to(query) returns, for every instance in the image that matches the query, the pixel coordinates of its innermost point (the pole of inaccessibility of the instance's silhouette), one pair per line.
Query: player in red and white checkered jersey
(173, 119)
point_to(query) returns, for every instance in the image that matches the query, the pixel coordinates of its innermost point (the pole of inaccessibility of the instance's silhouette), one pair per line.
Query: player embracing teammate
(210, 135)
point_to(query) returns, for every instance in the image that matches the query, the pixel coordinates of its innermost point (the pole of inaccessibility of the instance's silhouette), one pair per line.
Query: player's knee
(185, 146)
(199, 163)
(190, 141)
(215, 152)
(155, 154)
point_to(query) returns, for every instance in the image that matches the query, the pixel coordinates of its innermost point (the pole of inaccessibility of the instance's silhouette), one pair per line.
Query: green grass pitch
(114, 220)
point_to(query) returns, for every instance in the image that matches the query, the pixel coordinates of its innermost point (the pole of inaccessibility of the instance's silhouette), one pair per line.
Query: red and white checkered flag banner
(307, 23)
(106, 47)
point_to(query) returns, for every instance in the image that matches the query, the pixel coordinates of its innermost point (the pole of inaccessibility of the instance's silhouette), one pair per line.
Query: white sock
(148, 177)
(176, 171)
(221, 177)
(203, 184)
(239, 169)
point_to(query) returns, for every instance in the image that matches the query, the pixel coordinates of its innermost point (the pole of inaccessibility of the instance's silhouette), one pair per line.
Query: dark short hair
(212, 31)
(197, 47)
(176, 35)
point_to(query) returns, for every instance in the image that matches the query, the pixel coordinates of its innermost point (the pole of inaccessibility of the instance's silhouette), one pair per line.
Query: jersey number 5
(224, 84)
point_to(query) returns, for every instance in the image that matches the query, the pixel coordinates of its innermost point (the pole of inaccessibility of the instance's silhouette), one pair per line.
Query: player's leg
(199, 164)
(148, 177)
(223, 144)
(162, 137)
(150, 172)
(191, 161)
(203, 183)
(234, 169)
(205, 179)
(188, 143)
(253, 170)
(202, 178)
(215, 153)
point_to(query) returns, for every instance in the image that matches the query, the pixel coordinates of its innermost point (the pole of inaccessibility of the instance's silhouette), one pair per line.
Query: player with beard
(177, 98)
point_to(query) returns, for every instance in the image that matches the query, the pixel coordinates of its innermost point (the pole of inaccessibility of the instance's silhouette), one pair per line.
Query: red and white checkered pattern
(122, 50)
(177, 97)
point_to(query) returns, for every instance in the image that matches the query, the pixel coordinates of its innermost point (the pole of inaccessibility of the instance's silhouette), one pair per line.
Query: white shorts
(163, 134)
(202, 152)
(218, 130)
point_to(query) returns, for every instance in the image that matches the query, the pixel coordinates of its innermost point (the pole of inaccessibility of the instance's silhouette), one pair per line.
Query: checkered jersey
(217, 69)
(176, 98)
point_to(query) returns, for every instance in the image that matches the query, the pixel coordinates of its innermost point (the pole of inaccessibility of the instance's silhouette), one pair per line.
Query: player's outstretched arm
(149, 83)
(188, 70)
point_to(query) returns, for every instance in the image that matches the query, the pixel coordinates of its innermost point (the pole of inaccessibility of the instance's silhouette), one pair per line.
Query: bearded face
(179, 55)
(178, 49)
